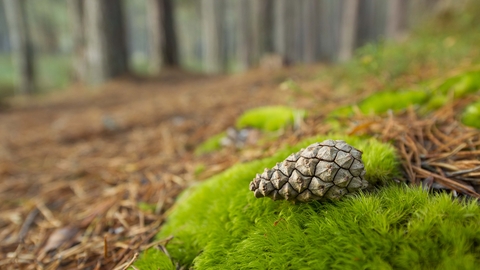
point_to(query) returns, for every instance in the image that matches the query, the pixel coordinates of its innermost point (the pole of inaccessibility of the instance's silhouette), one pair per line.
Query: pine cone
(326, 170)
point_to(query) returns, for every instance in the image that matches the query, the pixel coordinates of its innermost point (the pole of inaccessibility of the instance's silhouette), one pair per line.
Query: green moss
(214, 218)
(345, 111)
(461, 85)
(392, 100)
(270, 118)
(471, 115)
(146, 207)
(154, 259)
(210, 145)
(397, 228)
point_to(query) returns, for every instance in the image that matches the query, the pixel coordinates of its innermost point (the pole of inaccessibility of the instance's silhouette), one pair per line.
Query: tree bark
(213, 36)
(21, 43)
(348, 30)
(78, 32)
(105, 40)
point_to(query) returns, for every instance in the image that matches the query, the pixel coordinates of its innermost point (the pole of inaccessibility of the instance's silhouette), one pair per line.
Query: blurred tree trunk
(105, 40)
(309, 16)
(79, 62)
(348, 30)
(162, 35)
(267, 20)
(396, 18)
(284, 19)
(280, 27)
(214, 53)
(22, 47)
(244, 34)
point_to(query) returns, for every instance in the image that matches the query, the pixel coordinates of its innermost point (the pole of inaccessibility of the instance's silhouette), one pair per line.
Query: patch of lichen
(269, 118)
(211, 220)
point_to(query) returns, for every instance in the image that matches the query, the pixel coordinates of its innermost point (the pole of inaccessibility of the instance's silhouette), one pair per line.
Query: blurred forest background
(49, 44)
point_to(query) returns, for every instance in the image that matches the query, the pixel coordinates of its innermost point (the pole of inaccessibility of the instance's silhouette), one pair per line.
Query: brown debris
(436, 151)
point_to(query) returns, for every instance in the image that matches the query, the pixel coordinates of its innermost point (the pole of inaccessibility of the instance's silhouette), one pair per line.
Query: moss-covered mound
(212, 220)
(270, 118)
(396, 228)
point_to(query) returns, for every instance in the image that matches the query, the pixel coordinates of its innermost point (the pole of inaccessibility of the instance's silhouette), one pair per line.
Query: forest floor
(76, 167)
(88, 175)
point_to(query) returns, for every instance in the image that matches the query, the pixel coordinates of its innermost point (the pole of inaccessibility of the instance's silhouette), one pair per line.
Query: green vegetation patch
(154, 259)
(452, 88)
(381, 102)
(210, 145)
(270, 118)
(211, 221)
(471, 115)
(461, 85)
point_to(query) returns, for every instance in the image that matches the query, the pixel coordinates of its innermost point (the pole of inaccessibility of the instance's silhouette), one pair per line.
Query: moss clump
(154, 259)
(211, 144)
(392, 100)
(269, 118)
(215, 217)
(471, 115)
(461, 85)
(381, 102)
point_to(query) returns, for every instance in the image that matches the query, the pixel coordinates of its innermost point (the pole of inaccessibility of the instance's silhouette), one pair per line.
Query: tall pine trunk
(21, 44)
(162, 35)
(105, 40)
(244, 34)
(396, 18)
(78, 32)
(214, 53)
(348, 30)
